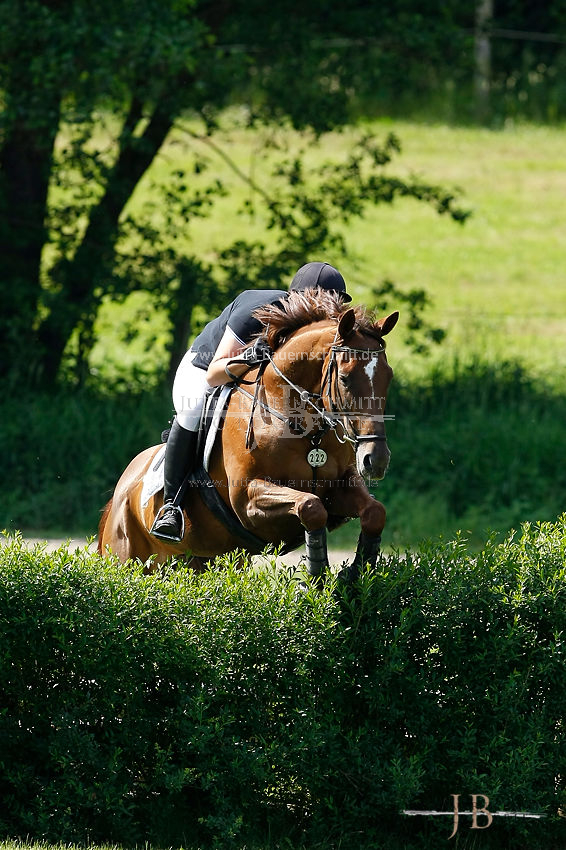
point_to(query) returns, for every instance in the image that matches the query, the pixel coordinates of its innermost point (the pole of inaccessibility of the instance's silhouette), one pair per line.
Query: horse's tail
(102, 525)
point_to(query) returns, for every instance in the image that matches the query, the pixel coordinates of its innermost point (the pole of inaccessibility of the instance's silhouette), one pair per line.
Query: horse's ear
(387, 324)
(346, 324)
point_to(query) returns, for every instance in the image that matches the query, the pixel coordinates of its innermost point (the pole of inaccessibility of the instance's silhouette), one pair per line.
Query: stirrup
(164, 536)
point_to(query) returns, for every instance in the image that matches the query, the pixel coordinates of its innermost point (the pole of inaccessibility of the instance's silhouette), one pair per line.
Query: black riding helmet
(322, 275)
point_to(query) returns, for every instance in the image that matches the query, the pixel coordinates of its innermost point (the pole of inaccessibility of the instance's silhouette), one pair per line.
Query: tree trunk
(25, 165)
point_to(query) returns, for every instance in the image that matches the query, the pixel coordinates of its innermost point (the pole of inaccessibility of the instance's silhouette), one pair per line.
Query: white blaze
(370, 372)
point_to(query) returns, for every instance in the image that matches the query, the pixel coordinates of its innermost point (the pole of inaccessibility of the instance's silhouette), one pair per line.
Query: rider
(204, 366)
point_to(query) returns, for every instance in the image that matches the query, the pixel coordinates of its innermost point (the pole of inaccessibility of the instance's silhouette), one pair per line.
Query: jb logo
(474, 813)
(477, 812)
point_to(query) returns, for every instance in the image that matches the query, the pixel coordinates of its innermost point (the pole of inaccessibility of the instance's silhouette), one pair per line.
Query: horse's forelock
(367, 323)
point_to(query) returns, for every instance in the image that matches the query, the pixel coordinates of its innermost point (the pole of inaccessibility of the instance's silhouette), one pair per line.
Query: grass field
(497, 283)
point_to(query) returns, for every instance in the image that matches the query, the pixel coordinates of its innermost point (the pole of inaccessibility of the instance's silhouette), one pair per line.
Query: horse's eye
(344, 380)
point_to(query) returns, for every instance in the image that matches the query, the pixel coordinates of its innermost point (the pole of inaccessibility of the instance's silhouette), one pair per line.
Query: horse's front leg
(351, 498)
(270, 503)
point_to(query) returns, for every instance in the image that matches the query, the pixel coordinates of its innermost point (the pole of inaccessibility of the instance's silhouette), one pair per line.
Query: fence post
(482, 56)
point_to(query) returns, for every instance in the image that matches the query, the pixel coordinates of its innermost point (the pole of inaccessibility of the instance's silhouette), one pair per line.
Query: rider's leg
(179, 461)
(189, 389)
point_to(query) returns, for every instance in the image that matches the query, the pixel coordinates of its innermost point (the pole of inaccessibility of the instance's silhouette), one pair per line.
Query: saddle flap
(212, 421)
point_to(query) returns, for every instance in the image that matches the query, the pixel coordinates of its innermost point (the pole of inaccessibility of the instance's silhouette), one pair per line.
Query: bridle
(328, 405)
(337, 404)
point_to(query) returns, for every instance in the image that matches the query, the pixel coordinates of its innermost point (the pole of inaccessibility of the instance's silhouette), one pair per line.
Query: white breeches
(189, 388)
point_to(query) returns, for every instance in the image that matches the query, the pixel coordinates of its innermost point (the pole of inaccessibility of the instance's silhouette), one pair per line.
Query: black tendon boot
(317, 556)
(179, 460)
(367, 552)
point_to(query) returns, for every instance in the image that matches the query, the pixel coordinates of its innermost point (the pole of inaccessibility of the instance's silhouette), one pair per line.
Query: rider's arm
(228, 348)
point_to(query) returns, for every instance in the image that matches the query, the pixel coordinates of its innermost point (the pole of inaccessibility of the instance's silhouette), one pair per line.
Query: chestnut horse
(283, 476)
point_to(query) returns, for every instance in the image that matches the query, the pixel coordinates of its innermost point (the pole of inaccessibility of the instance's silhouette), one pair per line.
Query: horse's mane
(303, 308)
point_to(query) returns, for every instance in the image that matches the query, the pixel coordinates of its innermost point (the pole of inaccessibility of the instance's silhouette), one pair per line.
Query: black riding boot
(179, 461)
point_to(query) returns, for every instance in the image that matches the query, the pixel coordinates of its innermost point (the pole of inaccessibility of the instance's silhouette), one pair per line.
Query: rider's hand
(256, 353)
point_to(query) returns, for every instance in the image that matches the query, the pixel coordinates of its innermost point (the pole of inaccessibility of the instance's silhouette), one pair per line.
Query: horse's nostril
(367, 463)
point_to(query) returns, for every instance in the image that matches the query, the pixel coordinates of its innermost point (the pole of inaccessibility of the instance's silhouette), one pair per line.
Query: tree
(69, 65)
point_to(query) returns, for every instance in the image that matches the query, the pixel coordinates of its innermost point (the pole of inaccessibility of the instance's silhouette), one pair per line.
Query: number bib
(317, 457)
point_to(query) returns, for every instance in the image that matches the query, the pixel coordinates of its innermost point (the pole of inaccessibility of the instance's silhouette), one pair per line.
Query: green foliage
(480, 441)
(142, 65)
(304, 207)
(419, 334)
(90, 93)
(528, 71)
(231, 709)
(66, 453)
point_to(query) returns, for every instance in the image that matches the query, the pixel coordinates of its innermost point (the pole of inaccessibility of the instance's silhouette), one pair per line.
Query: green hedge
(233, 709)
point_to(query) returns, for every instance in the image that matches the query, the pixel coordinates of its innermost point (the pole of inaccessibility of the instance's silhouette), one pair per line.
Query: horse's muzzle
(372, 459)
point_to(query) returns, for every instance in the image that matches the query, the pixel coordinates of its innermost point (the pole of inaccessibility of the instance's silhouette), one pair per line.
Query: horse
(291, 458)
